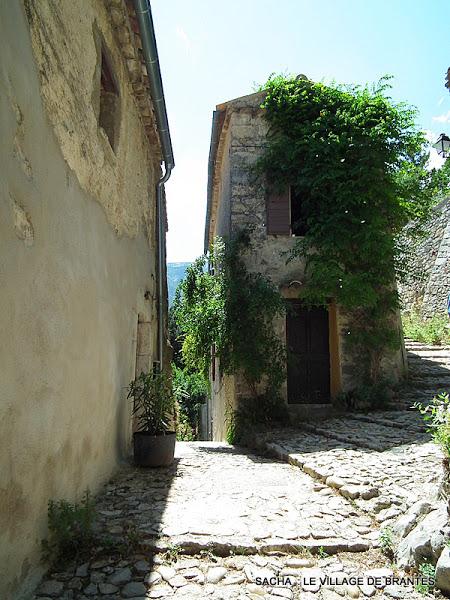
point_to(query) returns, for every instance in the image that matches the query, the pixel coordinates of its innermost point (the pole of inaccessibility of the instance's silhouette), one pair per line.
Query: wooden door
(308, 372)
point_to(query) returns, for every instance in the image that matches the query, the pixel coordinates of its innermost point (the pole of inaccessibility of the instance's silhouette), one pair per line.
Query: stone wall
(77, 269)
(243, 137)
(429, 283)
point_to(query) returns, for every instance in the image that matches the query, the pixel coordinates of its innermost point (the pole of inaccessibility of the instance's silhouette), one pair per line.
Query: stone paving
(384, 461)
(382, 482)
(231, 499)
(218, 520)
(229, 523)
(256, 577)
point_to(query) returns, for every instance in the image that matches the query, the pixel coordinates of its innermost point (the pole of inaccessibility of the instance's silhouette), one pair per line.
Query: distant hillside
(175, 273)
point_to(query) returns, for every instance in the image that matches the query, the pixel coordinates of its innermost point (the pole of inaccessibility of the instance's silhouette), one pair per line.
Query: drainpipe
(150, 52)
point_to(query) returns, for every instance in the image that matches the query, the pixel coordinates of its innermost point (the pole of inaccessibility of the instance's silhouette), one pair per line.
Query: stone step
(432, 386)
(275, 545)
(428, 352)
(390, 423)
(413, 344)
(430, 369)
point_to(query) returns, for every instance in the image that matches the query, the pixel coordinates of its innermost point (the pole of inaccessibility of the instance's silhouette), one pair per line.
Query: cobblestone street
(225, 522)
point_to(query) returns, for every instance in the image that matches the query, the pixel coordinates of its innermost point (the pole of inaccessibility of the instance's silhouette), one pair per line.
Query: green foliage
(257, 412)
(387, 541)
(437, 417)
(71, 534)
(426, 571)
(434, 330)
(371, 396)
(230, 424)
(225, 308)
(175, 336)
(359, 164)
(153, 402)
(172, 553)
(191, 390)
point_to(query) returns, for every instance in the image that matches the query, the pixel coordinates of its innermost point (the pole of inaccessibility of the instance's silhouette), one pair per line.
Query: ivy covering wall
(358, 164)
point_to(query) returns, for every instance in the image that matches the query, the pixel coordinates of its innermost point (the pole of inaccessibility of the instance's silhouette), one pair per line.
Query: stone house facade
(319, 368)
(80, 245)
(427, 289)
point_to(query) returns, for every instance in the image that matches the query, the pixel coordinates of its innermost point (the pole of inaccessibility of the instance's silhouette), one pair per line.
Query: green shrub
(230, 425)
(387, 541)
(70, 527)
(426, 571)
(437, 417)
(153, 402)
(366, 397)
(191, 391)
(433, 330)
(231, 309)
(185, 431)
(258, 412)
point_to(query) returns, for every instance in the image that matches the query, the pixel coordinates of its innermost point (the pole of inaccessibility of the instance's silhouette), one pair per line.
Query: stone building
(428, 286)
(82, 282)
(318, 365)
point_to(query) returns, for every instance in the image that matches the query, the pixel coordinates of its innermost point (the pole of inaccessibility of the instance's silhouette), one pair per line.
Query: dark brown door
(308, 376)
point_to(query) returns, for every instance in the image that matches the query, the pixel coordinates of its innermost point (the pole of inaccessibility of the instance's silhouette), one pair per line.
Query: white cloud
(441, 100)
(443, 118)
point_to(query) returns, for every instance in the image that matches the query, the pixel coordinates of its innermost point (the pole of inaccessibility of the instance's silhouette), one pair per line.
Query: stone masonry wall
(429, 284)
(246, 135)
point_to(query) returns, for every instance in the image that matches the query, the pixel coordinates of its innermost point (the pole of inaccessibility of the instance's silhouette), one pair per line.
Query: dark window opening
(109, 103)
(299, 225)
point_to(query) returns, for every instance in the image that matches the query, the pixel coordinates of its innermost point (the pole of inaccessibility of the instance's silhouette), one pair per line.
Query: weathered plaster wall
(71, 288)
(246, 205)
(67, 37)
(429, 283)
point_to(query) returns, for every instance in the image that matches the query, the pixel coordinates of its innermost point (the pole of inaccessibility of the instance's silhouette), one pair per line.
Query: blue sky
(211, 52)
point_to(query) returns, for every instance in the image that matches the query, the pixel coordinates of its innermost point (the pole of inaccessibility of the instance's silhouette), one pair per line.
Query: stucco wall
(245, 136)
(76, 258)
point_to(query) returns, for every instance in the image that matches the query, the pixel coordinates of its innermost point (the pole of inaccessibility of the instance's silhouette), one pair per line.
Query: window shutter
(278, 212)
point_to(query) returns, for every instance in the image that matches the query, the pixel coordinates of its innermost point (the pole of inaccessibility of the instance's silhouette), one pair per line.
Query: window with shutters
(285, 215)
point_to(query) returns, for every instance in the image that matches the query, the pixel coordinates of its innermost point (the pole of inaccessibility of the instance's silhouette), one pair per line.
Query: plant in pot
(153, 406)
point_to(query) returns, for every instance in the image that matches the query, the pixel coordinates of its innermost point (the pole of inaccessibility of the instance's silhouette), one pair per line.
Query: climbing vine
(220, 305)
(359, 165)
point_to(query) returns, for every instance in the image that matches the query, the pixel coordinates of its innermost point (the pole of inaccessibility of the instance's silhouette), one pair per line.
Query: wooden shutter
(278, 212)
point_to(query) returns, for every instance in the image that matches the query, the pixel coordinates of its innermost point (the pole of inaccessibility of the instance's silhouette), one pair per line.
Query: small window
(109, 103)
(285, 213)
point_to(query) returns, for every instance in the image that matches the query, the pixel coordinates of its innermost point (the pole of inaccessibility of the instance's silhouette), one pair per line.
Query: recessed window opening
(299, 225)
(109, 103)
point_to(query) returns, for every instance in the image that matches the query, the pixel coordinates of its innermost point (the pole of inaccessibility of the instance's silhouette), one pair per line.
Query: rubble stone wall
(429, 283)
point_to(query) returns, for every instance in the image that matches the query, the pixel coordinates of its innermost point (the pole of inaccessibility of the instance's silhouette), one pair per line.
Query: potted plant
(153, 405)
